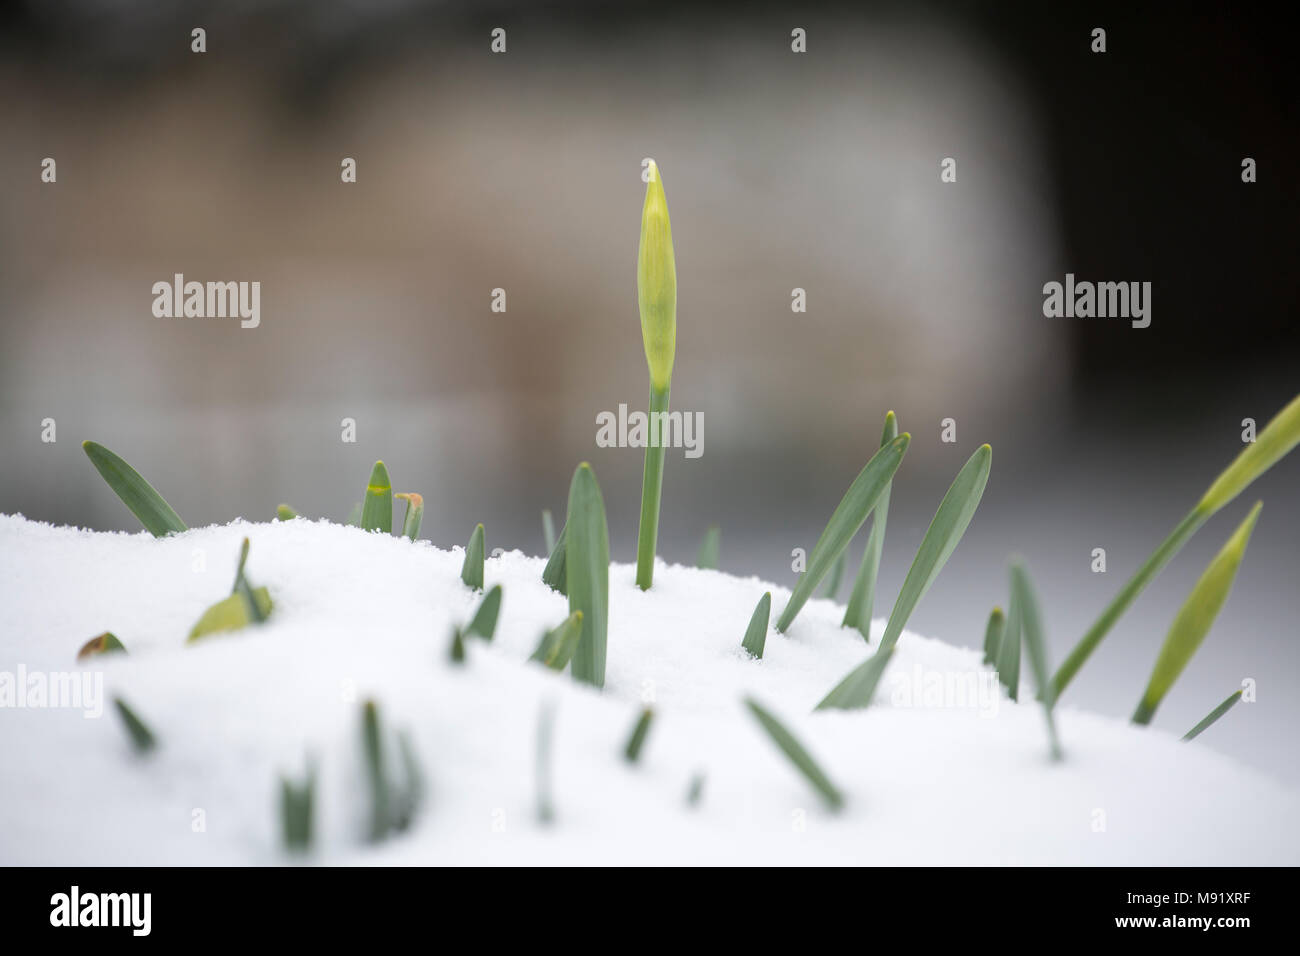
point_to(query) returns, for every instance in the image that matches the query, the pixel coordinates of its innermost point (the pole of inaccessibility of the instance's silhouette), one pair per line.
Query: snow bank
(942, 769)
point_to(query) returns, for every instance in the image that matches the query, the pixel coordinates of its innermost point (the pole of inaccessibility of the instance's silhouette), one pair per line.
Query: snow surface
(928, 779)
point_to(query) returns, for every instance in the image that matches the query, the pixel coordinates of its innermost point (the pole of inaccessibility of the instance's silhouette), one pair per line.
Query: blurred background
(820, 171)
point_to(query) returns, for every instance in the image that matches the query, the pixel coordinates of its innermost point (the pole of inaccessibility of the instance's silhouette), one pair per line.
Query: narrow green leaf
(862, 597)
(587, 568)
(414, 513)
(457, 652)
(710, 548)
(553, 575)
(652, 483)
(636, 740)
(556, 647)
(256, 613)
(377, 511)
(1032, 626)
(106, 643)
(797, 754)
(285, 512)
(941, 539)
(756, 633)
(1213, 715)
(372, 742)
(484, 623)
(407, 796)
(837, 576)
(1278, 438)
(859, 686)
(992, 635)
(548, 530)
(545, 737)
(137, 494)
(231, 614)
(695, 791)
(845, 522)
(1008, 660)
(471, 571)
(296, 809)
(142, 738)
(1196, 617)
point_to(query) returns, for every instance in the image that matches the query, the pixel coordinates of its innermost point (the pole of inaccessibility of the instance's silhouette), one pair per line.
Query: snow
(929, 778)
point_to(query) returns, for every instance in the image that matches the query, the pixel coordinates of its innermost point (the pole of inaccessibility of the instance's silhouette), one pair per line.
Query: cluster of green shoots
(578, 567)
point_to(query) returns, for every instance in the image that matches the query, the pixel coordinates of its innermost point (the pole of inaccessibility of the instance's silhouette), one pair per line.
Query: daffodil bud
(656, 284)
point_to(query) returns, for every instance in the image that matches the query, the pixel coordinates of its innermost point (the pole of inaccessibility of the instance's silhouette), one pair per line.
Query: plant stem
(651, 486)
(1127, 595)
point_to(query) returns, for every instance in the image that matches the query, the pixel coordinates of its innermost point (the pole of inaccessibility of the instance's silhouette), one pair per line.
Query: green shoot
(1213, 715)
(557, 646)
(106, 643)
(285, 512)
(1195, 618)
(137, 494)
(587, 568)
(862, 597)
(246, 605)
(993, 635)
(484, 623)
(296, 806)
(1032, 627)
(377, 511)
(800, 757)
(414, 513)
(656, 283)
(471, 571)
(1278, 438)
(837, 575)
(636, 740)
(756, 633)
(142, 738)
(941, 539)
(408, 796)
(548, 530)
(859, 687)
(373, 744)
(845, 522)
(695, 791)
(553, 575)
(1008, 660)
(457, 652)
(710, 548)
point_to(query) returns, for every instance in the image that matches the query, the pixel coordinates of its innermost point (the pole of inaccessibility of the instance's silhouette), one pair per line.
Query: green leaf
(285, 513)
(1032, 626)
(377, 511)
(407, 795)
(993, 635)
(837, 575)
(457, 652)
(471, 571)
(636, 740)
(137, 494)
(484, 623)
(1008, 661)
(941, 539)
(106, 643)
(296, 808)
(710, 548)
(587, 567)
(414, 513)
(548, 530)
(847, 518)
(1196, 617)
(695, 791)
(142, 738)
(256, 613)
(862, 597)
(372, 743)
(800, 757)
(553, 575)
(231, 614)
(652, 483)
(756, 633)
(859, 686)
(1213, 715)
(1278, 438)
(557, 646)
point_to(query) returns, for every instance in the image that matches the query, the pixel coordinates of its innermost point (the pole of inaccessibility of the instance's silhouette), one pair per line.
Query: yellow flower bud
(656, 283)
